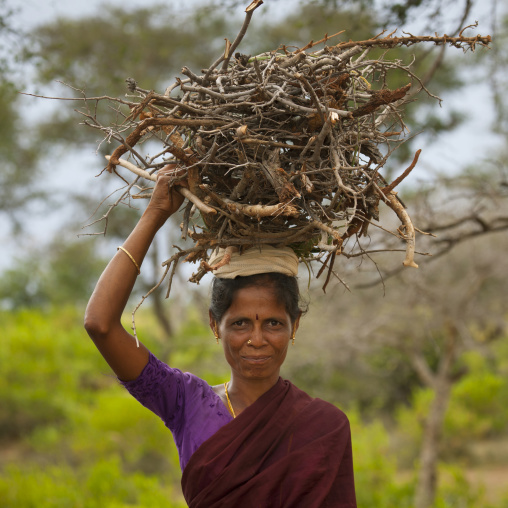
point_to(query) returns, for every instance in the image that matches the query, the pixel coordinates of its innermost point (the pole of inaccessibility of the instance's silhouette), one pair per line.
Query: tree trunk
(441, 382)
(429, 453)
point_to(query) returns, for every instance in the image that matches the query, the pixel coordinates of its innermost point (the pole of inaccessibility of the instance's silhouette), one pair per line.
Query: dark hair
(285, 288)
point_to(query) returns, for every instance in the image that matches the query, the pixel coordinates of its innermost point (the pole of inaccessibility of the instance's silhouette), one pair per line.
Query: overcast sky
(39, 11)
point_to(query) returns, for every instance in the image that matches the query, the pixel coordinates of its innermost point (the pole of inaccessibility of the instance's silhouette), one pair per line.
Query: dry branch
(283, 148)
(186, 193)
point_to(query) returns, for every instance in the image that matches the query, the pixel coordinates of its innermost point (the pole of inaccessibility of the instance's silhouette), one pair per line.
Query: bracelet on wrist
(130, 256)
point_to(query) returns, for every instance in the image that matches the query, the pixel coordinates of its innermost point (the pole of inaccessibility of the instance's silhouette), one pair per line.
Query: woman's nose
(256, 338)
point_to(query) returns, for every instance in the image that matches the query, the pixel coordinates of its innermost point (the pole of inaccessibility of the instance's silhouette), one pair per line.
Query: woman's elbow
(96, 327)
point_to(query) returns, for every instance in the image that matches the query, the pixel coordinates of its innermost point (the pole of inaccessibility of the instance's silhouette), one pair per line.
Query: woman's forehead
(256, 297)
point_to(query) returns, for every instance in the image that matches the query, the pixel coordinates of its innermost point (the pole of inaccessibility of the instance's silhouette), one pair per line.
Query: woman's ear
(297, 322)
(213, 323)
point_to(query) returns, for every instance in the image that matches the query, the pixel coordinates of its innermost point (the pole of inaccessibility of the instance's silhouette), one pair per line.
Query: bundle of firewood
(283, 148)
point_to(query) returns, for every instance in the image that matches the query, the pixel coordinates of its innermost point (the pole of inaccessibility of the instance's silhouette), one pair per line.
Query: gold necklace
(229, 402)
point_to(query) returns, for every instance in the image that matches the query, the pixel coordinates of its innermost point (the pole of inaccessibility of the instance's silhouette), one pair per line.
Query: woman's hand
(166, 200)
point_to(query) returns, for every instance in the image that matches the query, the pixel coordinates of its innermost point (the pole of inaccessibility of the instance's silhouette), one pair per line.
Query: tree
(63, 273)
(17, 155)
(114, 45)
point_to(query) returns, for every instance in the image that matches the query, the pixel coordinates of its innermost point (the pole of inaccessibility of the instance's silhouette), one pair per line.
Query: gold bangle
(132, 259)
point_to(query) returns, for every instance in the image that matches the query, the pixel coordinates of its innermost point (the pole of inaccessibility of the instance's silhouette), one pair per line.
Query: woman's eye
(274, 322)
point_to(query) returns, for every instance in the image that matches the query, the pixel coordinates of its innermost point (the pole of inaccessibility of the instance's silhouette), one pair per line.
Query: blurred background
(418, 359)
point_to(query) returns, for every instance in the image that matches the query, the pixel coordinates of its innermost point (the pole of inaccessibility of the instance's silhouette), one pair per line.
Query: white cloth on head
(261, 259)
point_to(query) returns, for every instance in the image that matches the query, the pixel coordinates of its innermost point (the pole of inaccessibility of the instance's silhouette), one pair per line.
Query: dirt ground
(493, 479)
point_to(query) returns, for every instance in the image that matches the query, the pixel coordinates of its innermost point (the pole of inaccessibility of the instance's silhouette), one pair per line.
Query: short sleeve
(161, 389)
(187, 405)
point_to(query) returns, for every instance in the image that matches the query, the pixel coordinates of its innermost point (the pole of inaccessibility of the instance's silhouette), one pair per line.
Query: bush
(46, 368)
(103, 485)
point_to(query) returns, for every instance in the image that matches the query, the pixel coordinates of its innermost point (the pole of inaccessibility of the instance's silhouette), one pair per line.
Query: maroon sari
(285, 450)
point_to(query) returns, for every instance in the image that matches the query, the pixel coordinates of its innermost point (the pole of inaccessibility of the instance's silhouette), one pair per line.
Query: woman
(256, 441)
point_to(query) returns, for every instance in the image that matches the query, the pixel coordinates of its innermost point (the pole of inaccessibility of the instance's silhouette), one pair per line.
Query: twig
(186, 193)
(390, 187)
(250, 11)
(409, 234)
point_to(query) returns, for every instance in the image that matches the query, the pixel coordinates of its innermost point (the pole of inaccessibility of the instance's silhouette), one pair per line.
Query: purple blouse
(187, 405)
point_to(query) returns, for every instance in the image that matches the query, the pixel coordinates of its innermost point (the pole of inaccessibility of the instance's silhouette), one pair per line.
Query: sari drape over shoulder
(285, 450)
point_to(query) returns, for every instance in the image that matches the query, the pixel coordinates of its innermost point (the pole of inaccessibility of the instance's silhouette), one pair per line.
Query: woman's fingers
(174, 176)
(174, 171)
(165, 197)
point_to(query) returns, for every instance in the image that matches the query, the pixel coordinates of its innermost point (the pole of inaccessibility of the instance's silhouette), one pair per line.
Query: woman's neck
(244, 392)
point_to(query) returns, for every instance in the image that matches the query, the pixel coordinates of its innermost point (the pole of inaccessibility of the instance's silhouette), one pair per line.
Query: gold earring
(215, 333)
(293, 337)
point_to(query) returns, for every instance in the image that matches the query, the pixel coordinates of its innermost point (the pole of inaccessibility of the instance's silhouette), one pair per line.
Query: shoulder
(320, 407)
(330, 410)
(157, 375)
(187, 381)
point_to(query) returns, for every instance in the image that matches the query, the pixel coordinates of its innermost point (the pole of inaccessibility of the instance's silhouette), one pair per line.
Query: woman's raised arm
(106, 305)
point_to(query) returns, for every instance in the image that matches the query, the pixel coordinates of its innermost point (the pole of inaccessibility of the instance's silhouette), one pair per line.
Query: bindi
(257, 317)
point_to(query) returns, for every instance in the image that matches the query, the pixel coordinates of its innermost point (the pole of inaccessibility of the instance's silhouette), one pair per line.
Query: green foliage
(410, 419)
(85, 442)
(103, 484)
(197, 351)
(477, 408)
(429, 15)
(37, 387)
(114, 419)
(380, 483)
(376, 480)
(476, 411)
(59, 402)
(455, 490)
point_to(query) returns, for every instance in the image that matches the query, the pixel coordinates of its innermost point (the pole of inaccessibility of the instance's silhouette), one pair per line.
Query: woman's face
(256, 315)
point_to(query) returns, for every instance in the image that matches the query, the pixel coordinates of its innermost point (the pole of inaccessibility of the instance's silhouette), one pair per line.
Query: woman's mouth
(256, 359)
